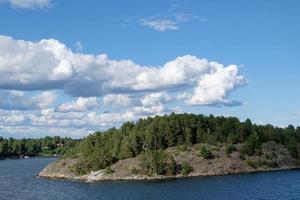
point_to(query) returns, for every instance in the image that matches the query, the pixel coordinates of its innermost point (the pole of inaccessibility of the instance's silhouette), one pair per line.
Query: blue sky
(259, 38)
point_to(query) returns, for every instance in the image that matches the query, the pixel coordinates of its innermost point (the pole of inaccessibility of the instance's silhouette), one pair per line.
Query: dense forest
(48, 146)
(150, 136)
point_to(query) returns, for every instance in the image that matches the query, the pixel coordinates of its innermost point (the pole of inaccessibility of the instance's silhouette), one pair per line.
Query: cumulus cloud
(117, 100)
(29, 4)
(17, 118)
(160, 24)
(80, 105)
(16, 100)
(155, 99)
(31, 71)
(45, 121)
(152, 104)
(214, 89)
(49, 64)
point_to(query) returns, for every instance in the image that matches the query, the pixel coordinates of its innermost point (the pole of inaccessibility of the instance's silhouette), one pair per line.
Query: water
(18, 181)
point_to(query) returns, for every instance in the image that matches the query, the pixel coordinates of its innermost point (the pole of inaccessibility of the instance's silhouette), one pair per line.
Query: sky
(70, 68)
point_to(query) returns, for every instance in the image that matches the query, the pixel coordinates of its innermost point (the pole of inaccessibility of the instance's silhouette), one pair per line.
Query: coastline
(222, 164)
(29, 157)
(85, 178)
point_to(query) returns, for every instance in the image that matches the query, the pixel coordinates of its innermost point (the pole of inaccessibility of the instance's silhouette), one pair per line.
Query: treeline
(102, 149)
(48, 146)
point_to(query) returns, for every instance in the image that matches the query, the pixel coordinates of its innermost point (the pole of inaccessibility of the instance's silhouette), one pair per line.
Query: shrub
(206, 153)
(186, 168)
(171, 167)
(270, 150)
(109, 170)
(246, 150)
(81, 167)
(183, 148)
(272, 164)
(242, 156)
(229, 149)
(157, 162)
(134, 171)
(256, 163)
(294, 149)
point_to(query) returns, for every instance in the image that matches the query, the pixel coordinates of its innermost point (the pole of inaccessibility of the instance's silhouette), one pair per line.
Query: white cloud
(17, 118)
(31, 71)
(117, 100)
(155, 99)
(214, 89)
(49, 64)
(160, 24)
(16, 100)
(80, 105)
(172, 22)
(152, 104)
(42, 131)
(29, 4)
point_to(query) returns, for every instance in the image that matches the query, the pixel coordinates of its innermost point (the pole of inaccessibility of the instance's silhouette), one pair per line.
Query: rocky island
(179, 145)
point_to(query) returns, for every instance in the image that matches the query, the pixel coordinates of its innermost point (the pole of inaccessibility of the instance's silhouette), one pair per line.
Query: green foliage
(255, 163)
(134, 171)
(102, 149)
(245, 150)
(183, 148)
(262, 163)
(232, 138)
(48, 146)
(251, 146)
(270, 150)
(185, 168)
(109, 170)
(229, 149)
(81, 167)
(206, 153)
(157, 162)
(294, 148)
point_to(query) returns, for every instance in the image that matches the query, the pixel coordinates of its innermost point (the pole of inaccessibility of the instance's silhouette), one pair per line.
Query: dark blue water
(18, 181)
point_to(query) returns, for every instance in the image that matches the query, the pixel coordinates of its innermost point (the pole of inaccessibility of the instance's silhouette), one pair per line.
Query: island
(179, 145)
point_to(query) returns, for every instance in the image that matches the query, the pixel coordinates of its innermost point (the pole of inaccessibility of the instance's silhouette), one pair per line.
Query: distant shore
(29, 157)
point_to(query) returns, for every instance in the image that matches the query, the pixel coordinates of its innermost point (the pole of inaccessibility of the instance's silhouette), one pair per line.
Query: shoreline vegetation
(178, 145)
(27, 148)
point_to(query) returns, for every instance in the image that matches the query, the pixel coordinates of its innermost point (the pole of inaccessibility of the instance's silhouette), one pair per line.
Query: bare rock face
(60, 169)
(221, 164)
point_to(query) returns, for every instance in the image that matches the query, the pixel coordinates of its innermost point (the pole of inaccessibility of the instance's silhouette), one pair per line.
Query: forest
(150, 136)
(48, 146)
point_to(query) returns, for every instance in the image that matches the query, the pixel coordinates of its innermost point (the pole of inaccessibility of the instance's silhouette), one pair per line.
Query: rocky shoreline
(98, 176)
(222, 164)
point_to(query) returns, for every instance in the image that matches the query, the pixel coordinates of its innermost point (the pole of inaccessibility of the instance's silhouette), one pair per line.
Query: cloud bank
(104, 92)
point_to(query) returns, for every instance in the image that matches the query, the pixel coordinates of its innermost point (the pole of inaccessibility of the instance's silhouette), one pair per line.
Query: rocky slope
(271, 157)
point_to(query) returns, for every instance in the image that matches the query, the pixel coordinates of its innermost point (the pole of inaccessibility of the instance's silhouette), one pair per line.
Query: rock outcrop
(221, 164)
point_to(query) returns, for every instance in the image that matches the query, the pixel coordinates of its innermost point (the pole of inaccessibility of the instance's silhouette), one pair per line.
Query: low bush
(229, 149)
(206, 153)
(109, 170)
(186, 168)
